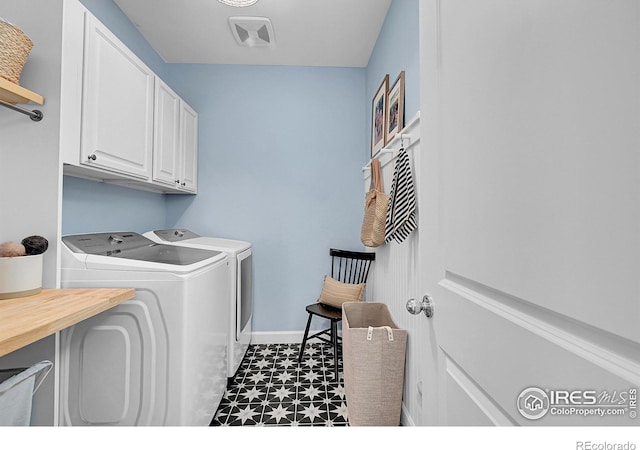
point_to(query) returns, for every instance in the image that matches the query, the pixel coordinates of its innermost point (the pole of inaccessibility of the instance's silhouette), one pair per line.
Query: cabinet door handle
(183, 183)
(177, 181)
(92, 157)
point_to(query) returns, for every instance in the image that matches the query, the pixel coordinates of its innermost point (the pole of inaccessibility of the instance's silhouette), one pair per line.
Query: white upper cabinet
(188, 148)
(120, 123)
(118, 98)
(166, 142)
(175, 148)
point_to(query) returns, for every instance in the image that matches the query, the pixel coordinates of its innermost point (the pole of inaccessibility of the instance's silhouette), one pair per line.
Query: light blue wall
(280, 166)
(281, 152)
(89, 206)
(396, 49)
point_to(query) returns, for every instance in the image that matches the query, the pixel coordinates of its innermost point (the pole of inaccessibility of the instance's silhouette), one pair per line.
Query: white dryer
(241, 282)
(158, 359)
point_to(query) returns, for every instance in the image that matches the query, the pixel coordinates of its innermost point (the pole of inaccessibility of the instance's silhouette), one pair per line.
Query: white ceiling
(334, 33)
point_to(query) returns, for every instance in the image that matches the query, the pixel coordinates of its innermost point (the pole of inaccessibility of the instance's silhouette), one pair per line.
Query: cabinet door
(166, 142)
(117, 119)
(189, 148)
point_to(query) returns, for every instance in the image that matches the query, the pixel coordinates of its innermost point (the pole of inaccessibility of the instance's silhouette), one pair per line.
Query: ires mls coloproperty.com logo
(535, 403)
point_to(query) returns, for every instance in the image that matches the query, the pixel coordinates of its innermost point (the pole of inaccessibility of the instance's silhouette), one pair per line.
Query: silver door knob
(92, 157)
(416, 307)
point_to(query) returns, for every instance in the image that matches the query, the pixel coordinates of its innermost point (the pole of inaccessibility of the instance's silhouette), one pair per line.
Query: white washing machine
(241, 282)
(158, 359)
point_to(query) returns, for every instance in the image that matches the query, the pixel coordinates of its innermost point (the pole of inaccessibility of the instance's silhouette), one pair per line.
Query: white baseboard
(405, 418)
(279, 337)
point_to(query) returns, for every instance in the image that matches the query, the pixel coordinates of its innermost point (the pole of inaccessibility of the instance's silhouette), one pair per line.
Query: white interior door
(529, 197)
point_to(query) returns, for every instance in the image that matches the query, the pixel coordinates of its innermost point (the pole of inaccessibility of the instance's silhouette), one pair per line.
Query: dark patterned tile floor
(270, 389)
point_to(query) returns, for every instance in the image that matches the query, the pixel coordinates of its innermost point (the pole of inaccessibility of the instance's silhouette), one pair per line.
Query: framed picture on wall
(395, 110)
(379, 117)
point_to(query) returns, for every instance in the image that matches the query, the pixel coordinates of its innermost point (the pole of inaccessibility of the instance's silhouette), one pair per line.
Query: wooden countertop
(28, 319)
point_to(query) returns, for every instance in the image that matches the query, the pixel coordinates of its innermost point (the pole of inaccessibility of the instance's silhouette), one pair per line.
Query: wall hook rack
(405, 139)
(35, 115)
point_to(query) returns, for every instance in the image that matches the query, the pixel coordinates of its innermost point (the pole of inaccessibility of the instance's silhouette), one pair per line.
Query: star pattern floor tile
(270, 389)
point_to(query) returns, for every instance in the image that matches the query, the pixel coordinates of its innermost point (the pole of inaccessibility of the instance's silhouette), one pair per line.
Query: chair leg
(334, 339)
(304, 339)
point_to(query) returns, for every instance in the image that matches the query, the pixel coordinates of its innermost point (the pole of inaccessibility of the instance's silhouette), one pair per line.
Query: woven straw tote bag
(14, 50)
(375, 209)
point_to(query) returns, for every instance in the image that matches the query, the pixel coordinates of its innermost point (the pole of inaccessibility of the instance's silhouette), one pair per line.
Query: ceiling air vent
(252, 31)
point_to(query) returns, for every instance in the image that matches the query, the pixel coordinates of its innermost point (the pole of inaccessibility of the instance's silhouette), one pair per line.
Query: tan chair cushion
(334, 293)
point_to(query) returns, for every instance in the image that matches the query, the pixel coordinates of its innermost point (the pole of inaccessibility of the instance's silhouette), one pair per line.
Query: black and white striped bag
(401, 212)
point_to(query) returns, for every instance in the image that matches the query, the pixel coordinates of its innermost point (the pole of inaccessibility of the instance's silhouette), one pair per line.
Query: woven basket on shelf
(14, 50)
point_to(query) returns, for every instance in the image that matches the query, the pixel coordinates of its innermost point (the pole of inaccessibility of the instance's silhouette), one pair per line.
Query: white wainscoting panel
(394, 277)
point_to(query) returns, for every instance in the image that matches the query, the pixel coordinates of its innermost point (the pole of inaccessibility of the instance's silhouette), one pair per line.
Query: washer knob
(114, 240)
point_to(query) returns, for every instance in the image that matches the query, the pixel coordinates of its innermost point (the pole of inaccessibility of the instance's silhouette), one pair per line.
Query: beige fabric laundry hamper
(373, 350)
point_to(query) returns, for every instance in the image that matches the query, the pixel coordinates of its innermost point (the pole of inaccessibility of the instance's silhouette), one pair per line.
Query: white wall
(29, 156)
(29, 165)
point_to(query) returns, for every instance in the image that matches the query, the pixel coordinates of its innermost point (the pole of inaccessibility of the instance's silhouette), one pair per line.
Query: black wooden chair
(346, 267)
